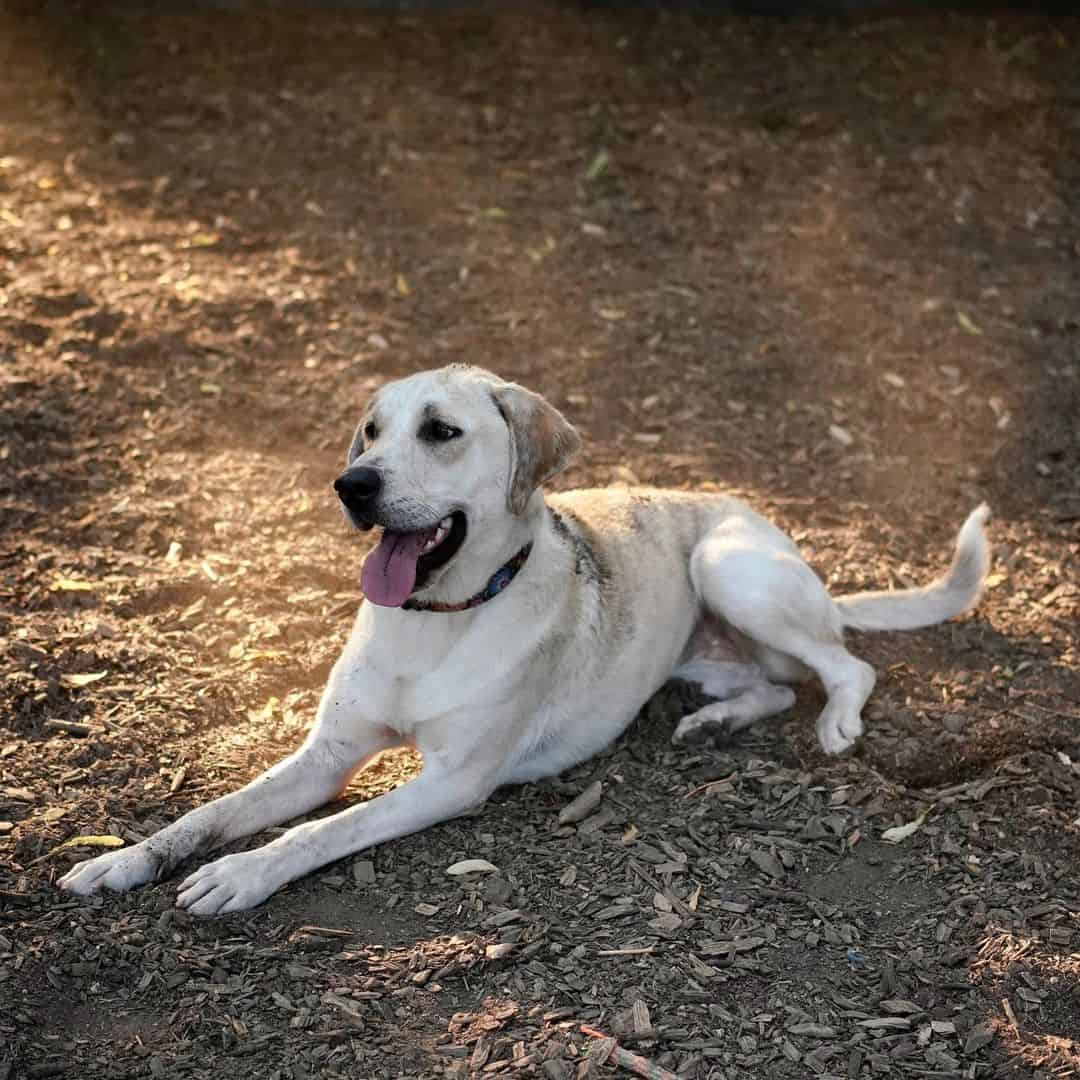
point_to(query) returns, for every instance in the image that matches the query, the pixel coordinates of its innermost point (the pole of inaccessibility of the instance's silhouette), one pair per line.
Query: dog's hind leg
(721, 719)
(720, 679)
(745, 696)
(751, 576)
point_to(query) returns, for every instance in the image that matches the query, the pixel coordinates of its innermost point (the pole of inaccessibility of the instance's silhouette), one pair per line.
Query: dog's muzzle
(358, 487)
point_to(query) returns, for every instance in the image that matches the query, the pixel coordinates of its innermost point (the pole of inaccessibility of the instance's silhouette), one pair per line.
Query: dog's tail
(958, 589)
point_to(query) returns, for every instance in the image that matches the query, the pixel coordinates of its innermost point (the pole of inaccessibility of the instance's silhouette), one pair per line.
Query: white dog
(508, 637)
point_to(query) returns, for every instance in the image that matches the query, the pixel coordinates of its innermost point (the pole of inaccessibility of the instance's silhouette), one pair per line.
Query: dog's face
(440, 459)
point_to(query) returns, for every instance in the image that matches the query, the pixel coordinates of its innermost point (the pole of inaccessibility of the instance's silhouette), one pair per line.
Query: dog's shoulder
(580, 520)
(620, 535)
(617, 507)
(634, 513)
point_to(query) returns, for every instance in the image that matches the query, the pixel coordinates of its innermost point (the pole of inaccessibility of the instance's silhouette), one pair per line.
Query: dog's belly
(601, 698)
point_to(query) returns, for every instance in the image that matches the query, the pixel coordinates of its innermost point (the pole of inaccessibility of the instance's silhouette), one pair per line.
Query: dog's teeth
(446, 523)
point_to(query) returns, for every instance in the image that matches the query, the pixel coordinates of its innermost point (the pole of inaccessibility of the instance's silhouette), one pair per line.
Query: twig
(679, 905)
(634, 1063)
(710, 785)
(1006, 1004)
(641, 950)
(1067, 713)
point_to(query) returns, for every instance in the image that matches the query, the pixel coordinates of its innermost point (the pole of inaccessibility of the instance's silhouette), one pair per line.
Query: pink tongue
(389, 573)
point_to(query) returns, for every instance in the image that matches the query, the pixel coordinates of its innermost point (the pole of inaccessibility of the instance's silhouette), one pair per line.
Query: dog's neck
(498, 581)
(485, 557)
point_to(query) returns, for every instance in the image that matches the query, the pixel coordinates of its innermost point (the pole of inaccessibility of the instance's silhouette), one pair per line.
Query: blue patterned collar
(496, 583)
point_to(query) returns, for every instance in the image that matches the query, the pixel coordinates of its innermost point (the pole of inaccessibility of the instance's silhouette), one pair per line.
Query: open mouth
(402, 562)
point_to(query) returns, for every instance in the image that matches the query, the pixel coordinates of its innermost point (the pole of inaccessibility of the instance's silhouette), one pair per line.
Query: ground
(832, 266)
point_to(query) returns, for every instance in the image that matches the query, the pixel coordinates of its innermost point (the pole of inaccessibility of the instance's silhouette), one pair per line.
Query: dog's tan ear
(542, 441)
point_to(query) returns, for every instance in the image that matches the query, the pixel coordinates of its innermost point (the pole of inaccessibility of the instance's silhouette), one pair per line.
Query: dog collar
(496, 583)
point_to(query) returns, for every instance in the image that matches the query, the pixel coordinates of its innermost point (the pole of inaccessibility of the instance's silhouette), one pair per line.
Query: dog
(508, 636)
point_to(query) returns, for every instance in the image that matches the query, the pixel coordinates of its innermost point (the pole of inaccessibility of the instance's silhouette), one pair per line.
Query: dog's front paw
(232, 883)
(116, 870)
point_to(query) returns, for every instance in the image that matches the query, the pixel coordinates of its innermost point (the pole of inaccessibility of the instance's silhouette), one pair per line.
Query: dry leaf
(966, 324)
(472, 866)
(66, 584)
(83, 841)
(82, 680)
(902, 832)
(598, 165)
(106, 840)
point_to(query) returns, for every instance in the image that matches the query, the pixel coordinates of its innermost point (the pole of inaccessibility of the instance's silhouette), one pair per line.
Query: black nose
(358, 486)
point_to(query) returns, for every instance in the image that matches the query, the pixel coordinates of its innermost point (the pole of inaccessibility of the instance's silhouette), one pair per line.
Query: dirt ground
(833, 266)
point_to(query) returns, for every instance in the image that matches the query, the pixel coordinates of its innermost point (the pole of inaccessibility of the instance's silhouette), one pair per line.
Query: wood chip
(813, 1031)
(624, 1059)
(768, 863)
(582, 806)
(71, 727)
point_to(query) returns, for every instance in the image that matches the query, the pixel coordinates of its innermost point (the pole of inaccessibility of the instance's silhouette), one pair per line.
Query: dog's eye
(438, 431)
(370, 431)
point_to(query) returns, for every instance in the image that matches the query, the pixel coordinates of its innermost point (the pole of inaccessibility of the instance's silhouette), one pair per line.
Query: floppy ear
(542, 441)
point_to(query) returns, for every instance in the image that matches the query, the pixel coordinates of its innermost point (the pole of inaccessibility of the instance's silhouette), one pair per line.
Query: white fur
(618, 594)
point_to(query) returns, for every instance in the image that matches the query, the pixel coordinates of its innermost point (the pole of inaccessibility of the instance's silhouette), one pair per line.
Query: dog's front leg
(316, 773)
(240, 881)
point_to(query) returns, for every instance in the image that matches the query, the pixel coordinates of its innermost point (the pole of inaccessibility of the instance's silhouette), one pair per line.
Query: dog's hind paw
(710, 724)
(838, 734)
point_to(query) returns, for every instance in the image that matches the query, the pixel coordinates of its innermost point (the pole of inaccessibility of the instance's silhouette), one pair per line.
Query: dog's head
(443, 461)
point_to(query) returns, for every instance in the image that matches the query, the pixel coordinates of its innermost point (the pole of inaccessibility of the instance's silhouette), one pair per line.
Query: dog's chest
(391, 703)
